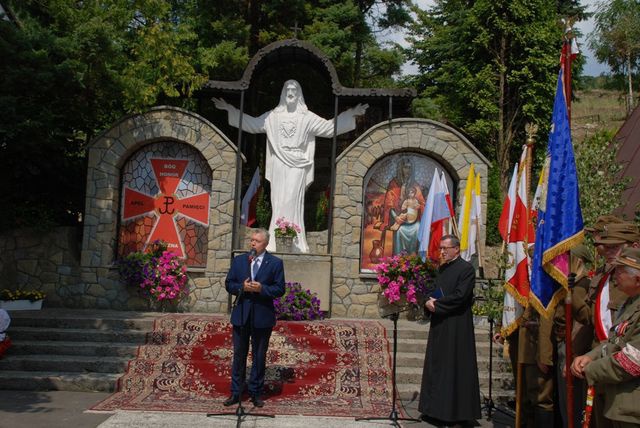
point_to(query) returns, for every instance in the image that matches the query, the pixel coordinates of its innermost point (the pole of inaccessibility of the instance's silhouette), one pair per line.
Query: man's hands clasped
(251, 286)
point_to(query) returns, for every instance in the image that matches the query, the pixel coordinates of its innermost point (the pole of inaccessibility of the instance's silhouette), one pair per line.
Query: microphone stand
(489, 405)
(240, 412)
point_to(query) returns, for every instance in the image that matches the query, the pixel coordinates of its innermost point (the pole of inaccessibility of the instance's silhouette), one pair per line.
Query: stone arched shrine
(354, 291)
(114, 193)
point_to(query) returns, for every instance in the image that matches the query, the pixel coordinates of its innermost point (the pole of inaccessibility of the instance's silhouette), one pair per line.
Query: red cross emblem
(166, 205)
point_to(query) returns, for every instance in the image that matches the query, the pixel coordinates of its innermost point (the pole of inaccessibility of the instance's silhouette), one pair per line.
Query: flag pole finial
(531, 129)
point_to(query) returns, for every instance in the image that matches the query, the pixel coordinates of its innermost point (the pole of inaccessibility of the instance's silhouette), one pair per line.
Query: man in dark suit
(256, 278)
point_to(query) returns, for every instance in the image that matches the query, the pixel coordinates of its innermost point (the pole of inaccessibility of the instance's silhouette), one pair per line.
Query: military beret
(618, 233)
(630, 257)
(602, 221)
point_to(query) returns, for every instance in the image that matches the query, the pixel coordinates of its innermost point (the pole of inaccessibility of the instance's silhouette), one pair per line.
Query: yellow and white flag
(466, 220)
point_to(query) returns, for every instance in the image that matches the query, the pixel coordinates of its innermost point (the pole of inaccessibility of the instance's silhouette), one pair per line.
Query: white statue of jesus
(291, 142)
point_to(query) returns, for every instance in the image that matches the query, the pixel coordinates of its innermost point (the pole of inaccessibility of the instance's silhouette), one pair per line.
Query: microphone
(252, 255)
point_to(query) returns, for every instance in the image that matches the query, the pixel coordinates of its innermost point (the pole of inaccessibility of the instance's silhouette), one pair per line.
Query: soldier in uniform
(613, 367)
(535, 353)
(581, 337)
(596, 306)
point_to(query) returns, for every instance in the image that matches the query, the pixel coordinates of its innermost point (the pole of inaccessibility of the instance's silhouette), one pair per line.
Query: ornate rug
(315, 368)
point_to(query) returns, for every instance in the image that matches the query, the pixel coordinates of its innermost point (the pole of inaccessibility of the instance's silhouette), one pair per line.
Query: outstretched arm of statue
(254, 125)
(360, 109)
(221, 104)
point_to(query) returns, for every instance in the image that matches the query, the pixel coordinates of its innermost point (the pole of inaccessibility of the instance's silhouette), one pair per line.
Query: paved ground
(64, 409)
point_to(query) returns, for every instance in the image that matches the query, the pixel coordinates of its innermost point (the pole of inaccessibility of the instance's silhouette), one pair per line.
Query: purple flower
(404, 275)
(297, 304)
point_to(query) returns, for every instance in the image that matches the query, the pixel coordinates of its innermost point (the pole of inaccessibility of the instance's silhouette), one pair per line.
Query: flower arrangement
(405, 275)
(297, 304)
(286, 228)
(31, 295)
(158, 272)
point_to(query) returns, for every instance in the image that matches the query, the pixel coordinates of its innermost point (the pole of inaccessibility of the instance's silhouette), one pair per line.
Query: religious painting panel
(395, 191)
(166, 189)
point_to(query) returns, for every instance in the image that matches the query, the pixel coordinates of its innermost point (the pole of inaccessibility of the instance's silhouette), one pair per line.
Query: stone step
(93, 319)
(57, 381)
(416, 359)
(84, 323)
(413, 376)
(411, 392)
(63, 363)
(95, 349)
(418, 330)
(76, 335)
(419, 345)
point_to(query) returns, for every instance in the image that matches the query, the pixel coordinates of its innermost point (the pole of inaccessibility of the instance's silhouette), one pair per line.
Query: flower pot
(20, 305)
(163, 305)
(385, 308)
(284, 244)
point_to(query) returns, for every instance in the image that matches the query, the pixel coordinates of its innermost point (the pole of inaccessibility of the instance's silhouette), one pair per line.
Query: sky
(591, 68)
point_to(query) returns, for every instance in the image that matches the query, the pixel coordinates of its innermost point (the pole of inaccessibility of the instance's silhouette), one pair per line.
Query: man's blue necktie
(255, 268)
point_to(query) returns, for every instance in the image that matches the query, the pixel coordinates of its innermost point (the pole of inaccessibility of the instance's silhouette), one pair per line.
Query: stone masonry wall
(355, 294)
(43, 261)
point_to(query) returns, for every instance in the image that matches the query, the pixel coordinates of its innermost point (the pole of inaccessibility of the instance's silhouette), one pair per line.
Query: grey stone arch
(107, 154)
(354, 294)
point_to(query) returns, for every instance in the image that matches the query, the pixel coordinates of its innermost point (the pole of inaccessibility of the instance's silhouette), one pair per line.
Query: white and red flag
(250, 199)
(507, 208)
(435, 219)
(450, 224)
(517, 243)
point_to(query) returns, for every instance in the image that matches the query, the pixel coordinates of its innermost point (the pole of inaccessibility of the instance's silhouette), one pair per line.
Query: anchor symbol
(168, 200)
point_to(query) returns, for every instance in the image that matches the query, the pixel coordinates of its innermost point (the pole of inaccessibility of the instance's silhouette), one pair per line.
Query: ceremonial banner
(504, 223)
(560, 225)
(518, 241)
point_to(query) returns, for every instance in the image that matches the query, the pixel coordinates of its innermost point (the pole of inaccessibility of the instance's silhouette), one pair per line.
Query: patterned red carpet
(317, 368)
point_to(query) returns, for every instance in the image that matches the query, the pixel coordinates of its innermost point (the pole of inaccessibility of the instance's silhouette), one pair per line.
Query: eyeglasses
(445, 248)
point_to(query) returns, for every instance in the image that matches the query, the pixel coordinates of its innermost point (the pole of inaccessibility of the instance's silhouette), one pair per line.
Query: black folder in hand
(437, 293)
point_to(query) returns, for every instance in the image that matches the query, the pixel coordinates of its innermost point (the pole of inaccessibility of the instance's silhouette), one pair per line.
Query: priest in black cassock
(450, 392)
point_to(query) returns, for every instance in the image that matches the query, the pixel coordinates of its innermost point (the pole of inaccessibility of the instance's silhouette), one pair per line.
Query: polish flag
(517, 237)
(248, 207)
(517, 273)
(507, 209)
(443, 184)
(434, 219)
